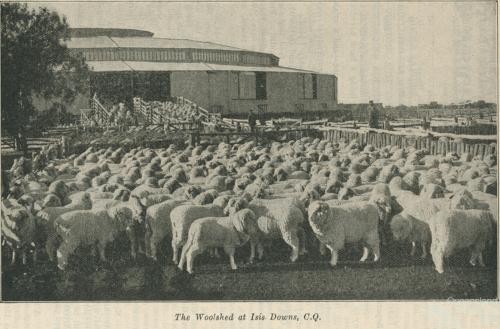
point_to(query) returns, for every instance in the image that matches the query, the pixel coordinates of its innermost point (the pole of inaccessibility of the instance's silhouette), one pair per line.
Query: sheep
(423, 209)
(457, 229)
(138, 209)
(277, 219)
(222, 200)
(387, 173)
(216, 182)
(485, 201)
(432, 191)
(47, 216)
(171, 185)
(255, 190)
(158, 225)
(205, 197)
(59, 188)
(143, 191)
(405, 227)
(51, 200)
(182, 217)
(90, 227)
(212, 232)
(348, 223)
(411, 181)
(191, 191)
(18, 227)
(153, 199)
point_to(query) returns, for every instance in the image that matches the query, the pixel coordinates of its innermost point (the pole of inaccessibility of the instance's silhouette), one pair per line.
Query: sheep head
(333, 185)
(462, 199)
(245, 222)
(18, 226)
(234, 205)
(203, 198)
(401, 227)
(15, 218)
(192, 192)
(318, 214)
(85, 200)
(353, 181)
(171, 185)
(381, 197)
(123, 215)
(27, 201)
(51, 200)
(59, 188)
(121, 194)
(307, 196)
(345, 193)
(222, 201)
(432, 191)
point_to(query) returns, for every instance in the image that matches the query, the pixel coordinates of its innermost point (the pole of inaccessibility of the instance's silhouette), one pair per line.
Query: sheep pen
(303, 171)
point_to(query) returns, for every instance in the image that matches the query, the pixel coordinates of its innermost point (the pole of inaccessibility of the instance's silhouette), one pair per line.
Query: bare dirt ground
(397, 276)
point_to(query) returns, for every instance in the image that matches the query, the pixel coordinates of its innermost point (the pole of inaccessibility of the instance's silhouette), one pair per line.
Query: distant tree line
(480, 104)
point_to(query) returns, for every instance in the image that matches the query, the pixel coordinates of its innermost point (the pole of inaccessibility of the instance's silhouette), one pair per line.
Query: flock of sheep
(307, 193)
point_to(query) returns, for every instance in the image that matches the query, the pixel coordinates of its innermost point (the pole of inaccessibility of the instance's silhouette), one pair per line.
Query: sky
(394, 53)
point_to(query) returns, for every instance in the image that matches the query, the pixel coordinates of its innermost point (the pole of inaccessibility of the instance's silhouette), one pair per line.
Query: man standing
(252, 121)
(372, 115)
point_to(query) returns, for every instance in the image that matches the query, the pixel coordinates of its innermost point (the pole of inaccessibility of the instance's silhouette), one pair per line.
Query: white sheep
(158, 225)
(47, 216)
(423, 209)
(90, 227)
(404, 227)
(182, 217)
(348, 223)
(135, 232)
(213, 232)
(18, 229)
(153, 199)
(277, 219)
(144, 190)
(457, 229)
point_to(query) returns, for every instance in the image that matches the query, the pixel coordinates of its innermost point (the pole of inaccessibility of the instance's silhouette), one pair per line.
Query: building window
(260, 85)
(308, 86)
(248, 85)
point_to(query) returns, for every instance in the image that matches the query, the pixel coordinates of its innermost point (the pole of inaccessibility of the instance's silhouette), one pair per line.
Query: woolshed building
(222, 79)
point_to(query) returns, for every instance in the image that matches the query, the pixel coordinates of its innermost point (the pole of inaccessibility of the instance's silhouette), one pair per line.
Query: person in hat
(252, 120)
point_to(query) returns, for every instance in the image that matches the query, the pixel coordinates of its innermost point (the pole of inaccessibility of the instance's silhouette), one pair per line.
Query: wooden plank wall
(437, 145)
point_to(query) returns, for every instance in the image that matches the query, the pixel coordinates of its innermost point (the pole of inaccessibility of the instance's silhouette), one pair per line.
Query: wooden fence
(477, 129)
(436, 143)
(34, 144)
(261, 135)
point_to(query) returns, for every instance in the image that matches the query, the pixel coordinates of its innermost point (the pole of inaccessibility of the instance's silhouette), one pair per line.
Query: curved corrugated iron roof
(144, 42)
